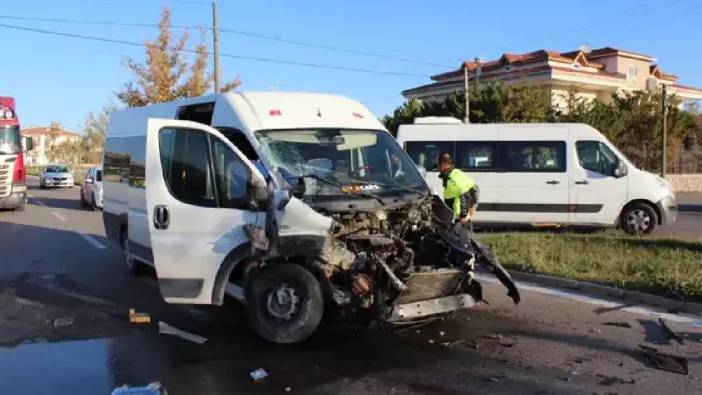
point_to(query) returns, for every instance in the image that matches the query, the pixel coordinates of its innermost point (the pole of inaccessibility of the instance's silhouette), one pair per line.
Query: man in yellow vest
(461, 193)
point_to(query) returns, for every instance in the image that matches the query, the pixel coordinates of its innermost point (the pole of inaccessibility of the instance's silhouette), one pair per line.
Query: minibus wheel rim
(638, 220)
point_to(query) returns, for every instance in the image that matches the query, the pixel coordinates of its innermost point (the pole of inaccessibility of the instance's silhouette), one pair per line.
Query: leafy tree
(94, 132)
(162, 76)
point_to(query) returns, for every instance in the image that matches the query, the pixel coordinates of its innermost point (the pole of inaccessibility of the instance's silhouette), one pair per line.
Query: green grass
(666, 267)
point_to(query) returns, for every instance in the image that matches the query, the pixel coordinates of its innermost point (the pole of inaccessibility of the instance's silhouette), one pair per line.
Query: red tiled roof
(37, 131)
(599, 52)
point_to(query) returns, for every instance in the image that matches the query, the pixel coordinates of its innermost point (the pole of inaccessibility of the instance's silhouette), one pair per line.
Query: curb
(690, 208)
(611, 293)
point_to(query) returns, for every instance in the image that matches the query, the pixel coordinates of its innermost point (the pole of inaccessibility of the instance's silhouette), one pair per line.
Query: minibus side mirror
(258, 191)
(621, 170)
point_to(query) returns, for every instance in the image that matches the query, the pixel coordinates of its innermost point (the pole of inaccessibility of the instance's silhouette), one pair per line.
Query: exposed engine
(378, 260)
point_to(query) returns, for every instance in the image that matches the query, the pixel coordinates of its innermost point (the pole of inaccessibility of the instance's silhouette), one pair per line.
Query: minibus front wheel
(284, 303)
(639, 219)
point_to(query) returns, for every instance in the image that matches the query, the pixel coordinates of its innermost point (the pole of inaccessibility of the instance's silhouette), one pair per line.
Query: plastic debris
(258, 374)
(669, 332)
(431, 341)
(667, 362)
(166, 329)
(596, 330)
(63, 322)
(154, 388)
(138, 318)
(609, 380)
(621, 324)
(288, 389)
(441, 333)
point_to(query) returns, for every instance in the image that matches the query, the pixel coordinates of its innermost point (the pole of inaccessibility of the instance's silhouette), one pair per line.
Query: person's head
(445, 162)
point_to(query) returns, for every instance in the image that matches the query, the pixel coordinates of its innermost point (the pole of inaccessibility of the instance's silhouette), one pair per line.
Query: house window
(633, 71)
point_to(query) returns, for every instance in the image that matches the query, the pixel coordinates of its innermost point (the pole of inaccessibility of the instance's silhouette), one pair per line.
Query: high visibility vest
(457, 184)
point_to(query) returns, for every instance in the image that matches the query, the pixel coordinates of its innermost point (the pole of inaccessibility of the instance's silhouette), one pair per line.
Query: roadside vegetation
(667, 267)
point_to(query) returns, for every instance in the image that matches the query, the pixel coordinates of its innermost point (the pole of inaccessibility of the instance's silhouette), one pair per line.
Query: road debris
(166, 329)
(621, 324)
(669, 332)
(596, 330)
(259, 374)
(494, 379)
(138, 318)
(154, 388)
(667, 362)
(288, 389)
(441, 333)
(63, 322)
(431, 341)
(610, 380)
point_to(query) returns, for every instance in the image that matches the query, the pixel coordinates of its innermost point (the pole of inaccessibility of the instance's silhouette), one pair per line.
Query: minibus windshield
(342, 161)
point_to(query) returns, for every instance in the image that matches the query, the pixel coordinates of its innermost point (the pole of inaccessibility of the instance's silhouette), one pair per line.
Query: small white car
(91, 191)
(56, 176)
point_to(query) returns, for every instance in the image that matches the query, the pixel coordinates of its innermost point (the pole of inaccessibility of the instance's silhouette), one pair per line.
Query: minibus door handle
(583, 182)
(162, 216)
(553, 182)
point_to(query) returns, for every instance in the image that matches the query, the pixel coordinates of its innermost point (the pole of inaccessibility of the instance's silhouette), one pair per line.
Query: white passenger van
(541, 174)
(290, 202)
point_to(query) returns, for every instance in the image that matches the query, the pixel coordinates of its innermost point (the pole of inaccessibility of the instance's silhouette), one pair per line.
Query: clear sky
(61, 79)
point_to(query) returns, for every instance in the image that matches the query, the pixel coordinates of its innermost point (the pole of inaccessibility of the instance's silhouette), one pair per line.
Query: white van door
(598, 193)
(197, 205)
(533, 181)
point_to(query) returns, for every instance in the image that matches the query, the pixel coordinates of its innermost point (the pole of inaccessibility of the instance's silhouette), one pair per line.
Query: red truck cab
(13, 172)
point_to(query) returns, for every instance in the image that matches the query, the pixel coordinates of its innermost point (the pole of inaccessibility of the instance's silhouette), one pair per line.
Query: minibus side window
(426, 153)
(476, 155)
(596, 156)
(533, 156)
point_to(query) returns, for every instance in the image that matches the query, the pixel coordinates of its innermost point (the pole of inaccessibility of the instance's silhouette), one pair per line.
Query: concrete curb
(610, 293)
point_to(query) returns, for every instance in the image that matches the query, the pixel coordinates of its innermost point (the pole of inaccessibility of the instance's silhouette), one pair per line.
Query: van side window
(186, 167)
(232, 176)
(533, 156)
(476, 155)
(98, 176)
(201, 112)
(597, 157)
(426, 153)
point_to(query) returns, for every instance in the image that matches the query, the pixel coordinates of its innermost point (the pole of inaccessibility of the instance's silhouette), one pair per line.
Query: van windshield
(342, 161)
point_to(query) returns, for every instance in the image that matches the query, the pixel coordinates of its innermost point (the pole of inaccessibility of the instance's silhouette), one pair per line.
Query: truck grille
(5, 179)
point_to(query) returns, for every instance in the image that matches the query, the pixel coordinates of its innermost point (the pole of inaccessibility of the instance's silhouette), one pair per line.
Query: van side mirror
(28, 143)
(621, 170)
(257, 191)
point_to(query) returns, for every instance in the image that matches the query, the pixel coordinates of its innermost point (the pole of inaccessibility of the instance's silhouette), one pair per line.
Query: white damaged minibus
(292, 203)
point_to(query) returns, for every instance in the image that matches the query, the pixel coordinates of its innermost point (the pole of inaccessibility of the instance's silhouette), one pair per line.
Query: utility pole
(215, 45)
(466, 93)
(664, 112)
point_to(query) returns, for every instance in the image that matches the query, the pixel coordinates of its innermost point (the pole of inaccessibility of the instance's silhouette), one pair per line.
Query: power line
(237, 32)
(241, 57)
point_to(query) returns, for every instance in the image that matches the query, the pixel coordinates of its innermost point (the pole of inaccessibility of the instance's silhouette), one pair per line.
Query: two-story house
(44, 138)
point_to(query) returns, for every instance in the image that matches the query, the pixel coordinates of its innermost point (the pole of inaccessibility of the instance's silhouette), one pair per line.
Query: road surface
(57, 264)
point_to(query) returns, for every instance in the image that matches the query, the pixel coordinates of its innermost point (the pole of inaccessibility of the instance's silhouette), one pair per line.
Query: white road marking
(92, 241)
(643, 310)
(59, 216)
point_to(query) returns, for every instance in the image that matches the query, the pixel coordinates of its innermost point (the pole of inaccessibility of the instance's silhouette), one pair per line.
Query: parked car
(91, 191)
(561, 174)
(56, 176)
(294, 204)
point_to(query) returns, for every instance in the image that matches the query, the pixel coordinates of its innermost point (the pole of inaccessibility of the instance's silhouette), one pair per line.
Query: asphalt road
(55, 263)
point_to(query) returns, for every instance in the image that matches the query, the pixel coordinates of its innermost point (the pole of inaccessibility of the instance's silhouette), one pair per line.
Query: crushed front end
(405, 262)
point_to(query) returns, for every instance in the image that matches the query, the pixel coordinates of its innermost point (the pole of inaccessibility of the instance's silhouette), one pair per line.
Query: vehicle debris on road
(669, 332)
(667, 362)
(621, 324)
(259, 374)
(154, 388)
(166, 329)
(610, 380)
(138, 318)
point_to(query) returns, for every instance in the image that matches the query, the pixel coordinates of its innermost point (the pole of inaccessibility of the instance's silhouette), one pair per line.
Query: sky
(61, 79)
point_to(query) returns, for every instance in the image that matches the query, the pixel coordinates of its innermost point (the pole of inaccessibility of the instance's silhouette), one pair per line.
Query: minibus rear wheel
(284, 303)
(639, 219)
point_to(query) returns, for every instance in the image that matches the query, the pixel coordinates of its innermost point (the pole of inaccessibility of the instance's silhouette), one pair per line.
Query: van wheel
(284, 303)
(639, 219)
(132, 265)
(83, 203)
(93, 205)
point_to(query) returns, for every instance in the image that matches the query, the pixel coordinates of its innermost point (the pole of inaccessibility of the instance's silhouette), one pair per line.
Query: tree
(52, 140)
(94, 132)
(162, 75)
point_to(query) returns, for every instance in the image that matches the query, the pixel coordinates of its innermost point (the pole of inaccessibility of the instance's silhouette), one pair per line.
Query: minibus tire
(637, 209)
(306, 316)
